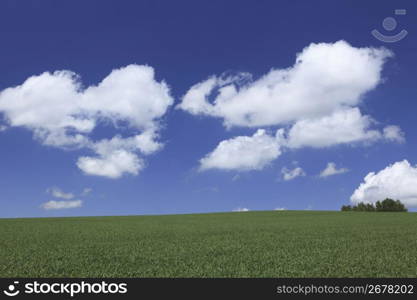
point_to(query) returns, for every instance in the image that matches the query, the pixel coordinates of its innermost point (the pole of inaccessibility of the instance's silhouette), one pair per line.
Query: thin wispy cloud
(241, 209)
(58, 193)
(332, 170)
(280, 208)
(290, 174)
(86, 191)
(57, 205)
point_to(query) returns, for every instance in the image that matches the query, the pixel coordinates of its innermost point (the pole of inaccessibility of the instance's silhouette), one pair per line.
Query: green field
(246, 244)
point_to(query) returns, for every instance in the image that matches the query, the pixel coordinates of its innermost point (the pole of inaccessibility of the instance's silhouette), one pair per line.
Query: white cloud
(61, 113)
(54, 205)
(394, 133)
(241, 209)
(316, 100)
(86, 191)
(325, 78)
(243, 153)
(291, 174)
(2, 128)
(112, 165)
(117, 156)
(309, 207)
(346, 126)
(341, 127)
(397, 181)
(280, 208)
(144, 143)
(331, 170)
(58, 193)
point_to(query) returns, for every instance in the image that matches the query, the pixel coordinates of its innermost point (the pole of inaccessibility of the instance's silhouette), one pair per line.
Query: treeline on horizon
(385, 205)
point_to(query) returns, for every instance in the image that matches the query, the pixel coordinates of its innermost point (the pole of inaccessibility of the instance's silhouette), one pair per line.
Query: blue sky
(186, 42)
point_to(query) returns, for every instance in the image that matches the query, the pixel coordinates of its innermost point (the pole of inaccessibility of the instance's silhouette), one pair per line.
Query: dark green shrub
(385, 205)
(390, 205)
(346, 208)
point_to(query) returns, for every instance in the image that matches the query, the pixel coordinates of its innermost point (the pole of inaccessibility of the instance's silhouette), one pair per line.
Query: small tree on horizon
(346, 208)
(390, 205)
(387, 205)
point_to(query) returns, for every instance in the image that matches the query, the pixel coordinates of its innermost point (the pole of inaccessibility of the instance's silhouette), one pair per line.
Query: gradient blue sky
(185, 42)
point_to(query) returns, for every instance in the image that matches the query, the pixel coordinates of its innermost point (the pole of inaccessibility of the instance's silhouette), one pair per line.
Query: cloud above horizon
(342, 127)
(241, 209)
(280, 209)
(62, 113)
(243, 153)
(316, 100)
(58, 193)
(86, 191)
(288, 174)
(313, 103)
(331, 170)
(57, 205)
(396, 181)
(323, 80)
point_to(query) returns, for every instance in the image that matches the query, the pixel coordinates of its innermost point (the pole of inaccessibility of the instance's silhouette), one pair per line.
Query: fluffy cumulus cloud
(288, 174)
(243, 153)
(331, 170)
(316, 100)
(58, 193)
(55, 205)
(113, 165)
(397, 181)
(116, 156)
(341, 127)
(62, 113)
(324, 79)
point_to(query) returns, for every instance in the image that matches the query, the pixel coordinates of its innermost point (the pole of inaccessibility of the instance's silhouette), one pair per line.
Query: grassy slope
(250, 244)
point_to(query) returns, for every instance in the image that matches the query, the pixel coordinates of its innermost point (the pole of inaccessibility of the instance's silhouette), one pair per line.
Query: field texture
(246, 244)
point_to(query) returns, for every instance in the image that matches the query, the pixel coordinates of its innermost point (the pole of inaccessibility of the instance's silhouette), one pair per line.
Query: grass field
(246, 244)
